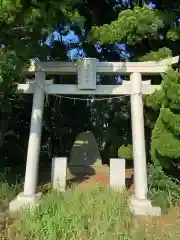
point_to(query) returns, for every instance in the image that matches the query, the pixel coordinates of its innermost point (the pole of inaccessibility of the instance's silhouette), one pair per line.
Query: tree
(24, 26)
(148, 34)
(165, 143)
(144, 34)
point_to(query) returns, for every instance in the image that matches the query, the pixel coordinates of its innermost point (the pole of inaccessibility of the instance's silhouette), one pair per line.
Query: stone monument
(84, 160)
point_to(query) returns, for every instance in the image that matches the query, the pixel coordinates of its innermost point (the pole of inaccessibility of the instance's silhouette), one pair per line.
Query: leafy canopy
(131, 26)
(24, 25)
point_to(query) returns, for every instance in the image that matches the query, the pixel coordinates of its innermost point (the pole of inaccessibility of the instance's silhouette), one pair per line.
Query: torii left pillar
(29, 196)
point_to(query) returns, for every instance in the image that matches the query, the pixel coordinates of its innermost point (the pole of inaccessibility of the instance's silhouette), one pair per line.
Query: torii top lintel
(110, 68)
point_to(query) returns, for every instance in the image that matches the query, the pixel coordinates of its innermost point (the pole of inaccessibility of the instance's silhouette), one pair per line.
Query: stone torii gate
(86, 70)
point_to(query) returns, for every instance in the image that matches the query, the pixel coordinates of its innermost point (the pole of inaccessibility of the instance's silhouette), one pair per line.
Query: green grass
(9, 188)
(78, 214)
(94, 213)
(86, 214)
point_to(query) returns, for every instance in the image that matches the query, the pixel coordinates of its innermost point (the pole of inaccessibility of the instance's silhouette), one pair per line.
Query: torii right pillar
(140, 205)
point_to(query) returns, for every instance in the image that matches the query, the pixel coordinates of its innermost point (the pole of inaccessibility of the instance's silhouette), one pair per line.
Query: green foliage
(173, 34)
(126, 152)
(162, 53)
(164, 190)
(23, 24)
(10, 71)
(165, 144)
(154, 100)
(7, 10)
(131, 27)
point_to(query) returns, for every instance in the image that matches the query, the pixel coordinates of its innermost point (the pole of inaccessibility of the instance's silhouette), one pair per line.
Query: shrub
(126, 152)
(164, 190)
(165, 144)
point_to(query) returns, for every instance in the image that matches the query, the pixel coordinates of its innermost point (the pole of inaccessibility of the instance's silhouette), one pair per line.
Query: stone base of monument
(75, 171)
(144, 208)
(82, 173)
(22, 201)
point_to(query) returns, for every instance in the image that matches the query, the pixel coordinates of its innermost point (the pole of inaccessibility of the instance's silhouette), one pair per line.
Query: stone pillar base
(117, 173)
(58, 173)
(22, 201)
(144, 208)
